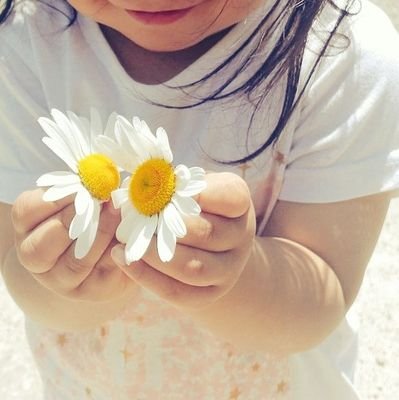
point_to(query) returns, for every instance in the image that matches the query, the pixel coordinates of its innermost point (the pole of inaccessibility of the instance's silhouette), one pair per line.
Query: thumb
(226, 194)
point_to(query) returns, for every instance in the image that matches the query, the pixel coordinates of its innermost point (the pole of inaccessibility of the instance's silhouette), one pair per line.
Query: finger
(39, 250)
(168, 288)
(69, 272)
(215, 233)
(105, 281)
(226, 194)
(193, 266)
(29, 209)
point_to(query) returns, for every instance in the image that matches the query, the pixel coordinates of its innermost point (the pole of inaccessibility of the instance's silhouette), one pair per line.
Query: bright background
(377, 308)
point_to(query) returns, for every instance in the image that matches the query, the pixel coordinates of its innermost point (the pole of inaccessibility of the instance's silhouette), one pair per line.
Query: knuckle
(19, 211)
(74, 265)
(206, 231)
(195, 270)
(27, 250)
(31, 255)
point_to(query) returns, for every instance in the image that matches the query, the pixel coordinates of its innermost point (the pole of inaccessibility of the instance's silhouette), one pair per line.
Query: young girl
(291, 107)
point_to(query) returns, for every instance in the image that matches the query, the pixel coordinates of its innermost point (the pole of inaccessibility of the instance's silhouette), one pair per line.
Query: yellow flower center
(152, 186)
(99, 175)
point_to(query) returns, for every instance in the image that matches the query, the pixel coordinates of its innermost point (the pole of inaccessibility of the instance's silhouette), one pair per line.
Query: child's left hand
(209, 260)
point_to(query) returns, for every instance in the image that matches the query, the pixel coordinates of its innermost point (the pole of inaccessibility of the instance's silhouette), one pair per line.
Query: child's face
(152, 25)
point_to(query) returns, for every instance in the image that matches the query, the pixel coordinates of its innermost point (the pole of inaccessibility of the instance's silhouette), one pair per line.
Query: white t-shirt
(342, 142)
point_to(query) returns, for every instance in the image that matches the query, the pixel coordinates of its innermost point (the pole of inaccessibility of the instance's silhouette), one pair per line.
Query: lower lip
(159, 18)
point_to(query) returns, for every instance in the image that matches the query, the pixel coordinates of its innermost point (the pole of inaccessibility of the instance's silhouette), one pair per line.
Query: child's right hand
(44, 248)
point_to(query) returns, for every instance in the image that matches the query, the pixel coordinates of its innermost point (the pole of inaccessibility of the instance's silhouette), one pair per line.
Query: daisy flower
(92, 175)
(156, 194)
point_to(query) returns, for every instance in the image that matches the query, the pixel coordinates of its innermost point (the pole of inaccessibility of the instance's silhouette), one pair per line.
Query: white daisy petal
(119, 197)
(186, 205)
(146, 138)
(127, 137)
(76, 226)
(80, 222)
(166, 241)
(80, 132)
(197, 173)
(140, 238)
(58, 192)
(163, 143)
(61, 120)
(82, 243)
(133, 145)
(122, 131)
(72, 138)
(82, 200)
(106, 145)
(126, 209)
(182, 176)
(192, 188)
(96, 125)
(86, 239)
(57, 178)
(174, 220)
(62, 152)
(110, 127)
(55, 132)
(143, 129)
(126, 182)
(104, 141)
(69, 131)
(125, 226)
(84, 124)
(194, 185)
(119, 155)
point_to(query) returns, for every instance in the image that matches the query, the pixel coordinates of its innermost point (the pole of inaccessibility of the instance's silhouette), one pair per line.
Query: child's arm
(284, 292)
(61, 297)
(289, 298)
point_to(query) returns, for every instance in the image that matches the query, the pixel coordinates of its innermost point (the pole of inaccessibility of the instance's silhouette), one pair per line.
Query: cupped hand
(44, 248)
(209, 260)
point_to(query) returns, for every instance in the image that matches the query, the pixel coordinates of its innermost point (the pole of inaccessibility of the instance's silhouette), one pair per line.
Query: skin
(288, 289)
(283, 291)
(208, 17)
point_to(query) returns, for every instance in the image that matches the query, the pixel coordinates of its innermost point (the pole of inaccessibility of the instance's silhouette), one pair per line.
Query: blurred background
(377, 308)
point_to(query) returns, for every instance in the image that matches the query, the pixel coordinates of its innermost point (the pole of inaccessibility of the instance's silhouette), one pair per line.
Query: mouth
(159, 17)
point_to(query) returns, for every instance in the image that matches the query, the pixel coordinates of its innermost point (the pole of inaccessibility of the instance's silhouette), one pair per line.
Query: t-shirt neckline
(195, 71)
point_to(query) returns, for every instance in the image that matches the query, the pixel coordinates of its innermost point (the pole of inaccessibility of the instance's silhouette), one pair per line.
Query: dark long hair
(284, 61)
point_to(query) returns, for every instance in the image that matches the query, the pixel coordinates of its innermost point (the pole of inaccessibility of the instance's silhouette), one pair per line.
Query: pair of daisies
(153, 197)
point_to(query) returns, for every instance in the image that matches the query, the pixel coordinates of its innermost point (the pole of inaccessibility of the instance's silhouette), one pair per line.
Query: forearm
(51, 310)
(286, 300)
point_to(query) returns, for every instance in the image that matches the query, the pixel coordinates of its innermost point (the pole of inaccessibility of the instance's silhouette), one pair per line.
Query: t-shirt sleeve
(23, 156)
(346, 142)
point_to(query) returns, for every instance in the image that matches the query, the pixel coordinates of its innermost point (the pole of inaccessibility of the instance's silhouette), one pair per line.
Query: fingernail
(118, 255)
